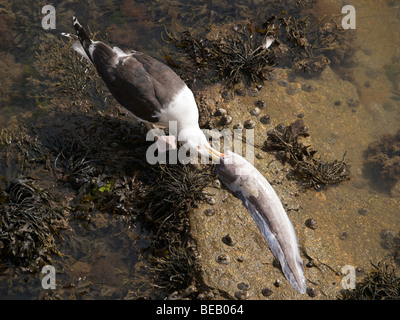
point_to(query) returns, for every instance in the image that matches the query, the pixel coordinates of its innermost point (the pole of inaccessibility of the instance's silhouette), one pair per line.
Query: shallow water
(105, 257)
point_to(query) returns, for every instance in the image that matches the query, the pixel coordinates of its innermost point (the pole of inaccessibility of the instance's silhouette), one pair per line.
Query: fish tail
(292, 267)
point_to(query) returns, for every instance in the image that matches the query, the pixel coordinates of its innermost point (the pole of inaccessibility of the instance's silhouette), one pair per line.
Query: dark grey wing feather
(140, 83)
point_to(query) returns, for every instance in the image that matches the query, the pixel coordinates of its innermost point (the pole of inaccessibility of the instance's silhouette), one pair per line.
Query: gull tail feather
(82, 45)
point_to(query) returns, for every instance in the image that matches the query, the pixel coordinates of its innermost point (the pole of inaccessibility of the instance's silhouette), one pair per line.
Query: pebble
(223, 258)
(300, 115)
(226, 95)
(310, 264)
(211, 201)
(352, 103)
(210, 295)
(241, 295)
(220, 112)
(291, 90)
(371, 73)
(337, 103)
(265, 119)
(259, 156)
(363, 211)
(249, 124)
(367, 84)
(311, 223)
(260, 104)
(283, 83)
(225, 120)
(253, 92)
(359, 271)
(240, 92)
(280, 127)
(209, 212)
(243, 286)
(228, 240)
(306, 87)
(255, 111)
(312, 292)
(272, 77)
(201, 296)
(343, 235)
(277, 283)
(238, 126)
(276, 263)
(266, 292)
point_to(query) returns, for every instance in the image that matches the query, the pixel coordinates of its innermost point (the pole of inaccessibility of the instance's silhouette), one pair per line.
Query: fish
(264, 205)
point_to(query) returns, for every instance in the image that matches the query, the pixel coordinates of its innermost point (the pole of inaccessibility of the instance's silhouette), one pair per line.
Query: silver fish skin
(264, 205)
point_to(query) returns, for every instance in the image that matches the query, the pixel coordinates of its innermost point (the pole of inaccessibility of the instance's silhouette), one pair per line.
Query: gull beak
(214, 153)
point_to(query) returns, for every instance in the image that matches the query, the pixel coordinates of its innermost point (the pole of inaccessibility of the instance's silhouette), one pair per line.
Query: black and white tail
(82, 41)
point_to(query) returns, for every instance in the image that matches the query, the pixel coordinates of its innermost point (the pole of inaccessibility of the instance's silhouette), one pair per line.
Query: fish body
(264, 205)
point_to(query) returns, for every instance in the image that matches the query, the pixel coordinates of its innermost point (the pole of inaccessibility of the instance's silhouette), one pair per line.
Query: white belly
(182, 109)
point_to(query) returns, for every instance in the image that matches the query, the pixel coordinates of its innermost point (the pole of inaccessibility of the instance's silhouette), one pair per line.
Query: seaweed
(381, 283)
(285, 141)
(29, 223)
(249, 51)
(319, 172)
(174, 189)
(382, 161)
(168, 195)
(177, 269)
(308, 43)
(64, 73)
(234, 56)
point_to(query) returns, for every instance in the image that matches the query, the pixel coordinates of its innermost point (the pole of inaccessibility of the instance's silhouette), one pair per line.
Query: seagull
(148, 89)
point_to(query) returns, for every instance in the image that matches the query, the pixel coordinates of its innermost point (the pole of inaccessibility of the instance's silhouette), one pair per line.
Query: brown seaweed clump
(285, 141)
(174, 190)
(237, 54)
(382, 163)
(308, 43)
(30, 216)
(29, 223)
(381, 283)
(63, 74)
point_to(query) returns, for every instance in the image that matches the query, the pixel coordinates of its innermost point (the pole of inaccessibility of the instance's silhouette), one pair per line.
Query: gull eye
(198, 148)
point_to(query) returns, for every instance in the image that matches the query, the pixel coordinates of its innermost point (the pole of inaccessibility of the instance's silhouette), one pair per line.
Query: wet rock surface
(323, 251)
